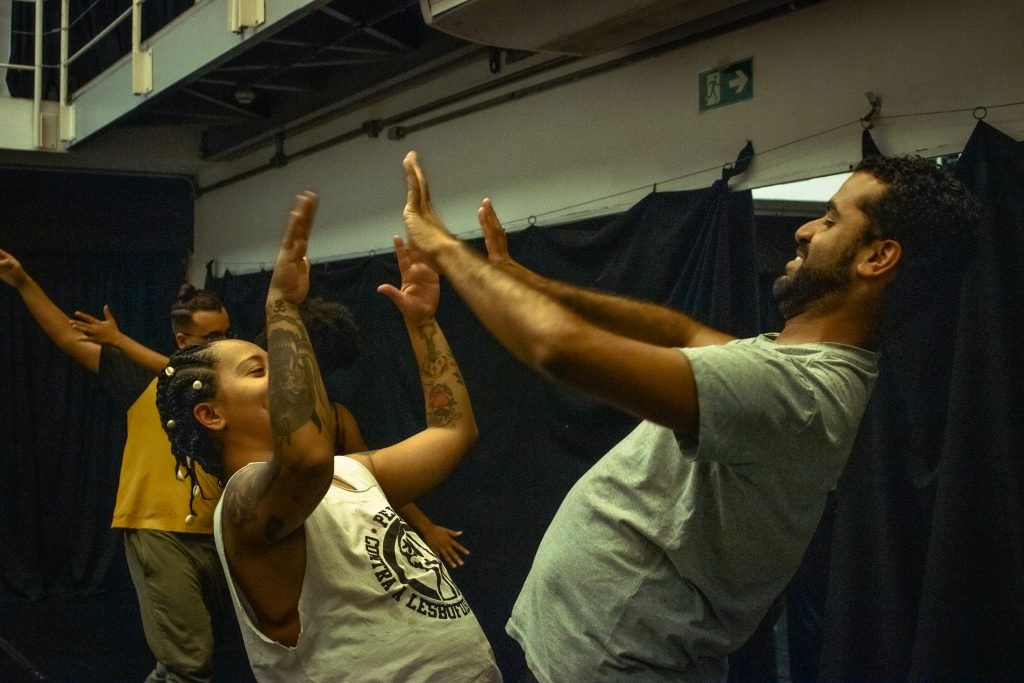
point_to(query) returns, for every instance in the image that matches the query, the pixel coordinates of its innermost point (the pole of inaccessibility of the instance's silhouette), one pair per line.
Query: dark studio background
(927, 578)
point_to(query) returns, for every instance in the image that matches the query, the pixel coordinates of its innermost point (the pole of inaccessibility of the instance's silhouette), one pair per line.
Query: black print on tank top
(407, 569)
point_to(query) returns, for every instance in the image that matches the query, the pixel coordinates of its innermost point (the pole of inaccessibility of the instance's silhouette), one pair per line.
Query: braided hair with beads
(190, 378)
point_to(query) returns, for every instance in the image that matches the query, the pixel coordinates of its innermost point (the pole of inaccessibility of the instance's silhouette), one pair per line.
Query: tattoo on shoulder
(247, 490)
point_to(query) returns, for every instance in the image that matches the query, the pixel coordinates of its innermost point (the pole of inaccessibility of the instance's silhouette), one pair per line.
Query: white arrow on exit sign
(739, 83)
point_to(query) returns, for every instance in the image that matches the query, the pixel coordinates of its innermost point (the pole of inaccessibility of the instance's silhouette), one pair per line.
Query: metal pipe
(136, 26)
(37, 83)
(65, 14)
(99, 36)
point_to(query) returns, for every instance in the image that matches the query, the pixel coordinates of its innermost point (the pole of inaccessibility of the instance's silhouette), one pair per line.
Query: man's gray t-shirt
(666, 554)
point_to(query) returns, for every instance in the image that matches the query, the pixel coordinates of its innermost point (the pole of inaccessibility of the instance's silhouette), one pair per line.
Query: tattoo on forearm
(435, 363)
(294, 378)
(442, 409)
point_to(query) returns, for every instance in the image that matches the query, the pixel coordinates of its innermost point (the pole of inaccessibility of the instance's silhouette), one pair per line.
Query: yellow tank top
(149, 495)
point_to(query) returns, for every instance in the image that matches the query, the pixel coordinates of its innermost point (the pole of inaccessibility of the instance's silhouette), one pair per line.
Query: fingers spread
(85, 317)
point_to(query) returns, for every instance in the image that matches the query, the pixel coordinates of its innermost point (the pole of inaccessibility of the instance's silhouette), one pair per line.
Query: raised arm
(441, 540)
(414, 466)
(650, 381)
(271, 501)
(106, 332)
(51, 319)
(640, 320)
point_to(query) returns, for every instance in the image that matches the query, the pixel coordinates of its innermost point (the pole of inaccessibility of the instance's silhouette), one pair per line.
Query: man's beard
(811, 284)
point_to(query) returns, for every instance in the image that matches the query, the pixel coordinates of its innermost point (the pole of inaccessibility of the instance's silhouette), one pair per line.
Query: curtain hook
(531, 221)
(867, 122)
(980, 113)
(654, 188)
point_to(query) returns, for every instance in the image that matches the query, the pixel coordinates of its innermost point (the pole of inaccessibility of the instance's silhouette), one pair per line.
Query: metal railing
(142, 74)
(37, 81)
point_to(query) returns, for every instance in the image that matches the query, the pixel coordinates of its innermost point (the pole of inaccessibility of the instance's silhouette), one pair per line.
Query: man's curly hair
(925, 208)
(936, 220)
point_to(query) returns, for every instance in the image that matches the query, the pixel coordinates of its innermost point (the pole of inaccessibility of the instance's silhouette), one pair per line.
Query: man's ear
(881, 259)
(180, 340)
(208, 416)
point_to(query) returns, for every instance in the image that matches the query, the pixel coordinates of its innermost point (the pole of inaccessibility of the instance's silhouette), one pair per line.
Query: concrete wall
(639, 125)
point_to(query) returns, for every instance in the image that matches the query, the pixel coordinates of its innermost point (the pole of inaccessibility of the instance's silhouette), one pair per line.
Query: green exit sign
(727, 84)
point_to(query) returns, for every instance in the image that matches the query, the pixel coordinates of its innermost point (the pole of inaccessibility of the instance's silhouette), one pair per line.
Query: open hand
(442, 541)
(290, 280)
(420, 289)
(495, 238)
(95, 330)
(11, 271)
(424, 227)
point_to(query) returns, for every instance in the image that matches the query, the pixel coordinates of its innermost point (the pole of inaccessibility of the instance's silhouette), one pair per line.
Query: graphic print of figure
(416, 554)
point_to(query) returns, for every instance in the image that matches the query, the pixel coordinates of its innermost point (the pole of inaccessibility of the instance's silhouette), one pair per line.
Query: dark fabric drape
(60, 450)
(690, 250)
(87, 19)
(88, 240)
(928, 564)
(868, 147)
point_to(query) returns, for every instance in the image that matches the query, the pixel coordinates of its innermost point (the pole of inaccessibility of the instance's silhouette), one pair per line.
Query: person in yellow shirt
(167, 537)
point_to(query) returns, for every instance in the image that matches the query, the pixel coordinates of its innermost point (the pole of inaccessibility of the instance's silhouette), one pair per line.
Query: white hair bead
(179, 475)
(197, 385)
(169, 371)
(196, 490)
(170, 424)
(189, 518)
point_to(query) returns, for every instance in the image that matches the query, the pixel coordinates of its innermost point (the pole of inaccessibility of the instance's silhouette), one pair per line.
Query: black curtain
(87, 19)
(690, 250)
(88, 240)
(927, 576)
(62, 440)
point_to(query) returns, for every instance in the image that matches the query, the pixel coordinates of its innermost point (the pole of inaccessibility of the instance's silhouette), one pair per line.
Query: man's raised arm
(650, 381)
(53, 321)
(640, 320)
(106, 332)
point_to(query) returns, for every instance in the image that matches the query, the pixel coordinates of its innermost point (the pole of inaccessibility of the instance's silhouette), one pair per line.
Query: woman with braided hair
(327, 580)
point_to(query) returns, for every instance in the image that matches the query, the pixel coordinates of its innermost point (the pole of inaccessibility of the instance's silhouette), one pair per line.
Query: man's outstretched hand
(95, 330)
(425, 229)
(11, 271)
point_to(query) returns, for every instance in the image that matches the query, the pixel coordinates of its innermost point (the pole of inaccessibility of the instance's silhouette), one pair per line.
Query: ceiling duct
(580, 27)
